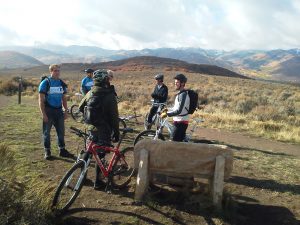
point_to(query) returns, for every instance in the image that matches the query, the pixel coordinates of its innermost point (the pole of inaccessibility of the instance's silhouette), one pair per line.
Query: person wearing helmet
(87, 81)
(106, 128)
(180, 110)
(159, 95)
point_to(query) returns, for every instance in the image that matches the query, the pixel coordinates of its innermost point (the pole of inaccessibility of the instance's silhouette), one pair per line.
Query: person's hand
(164, 110)
(45, 118)
(65, 115)
(163, 115)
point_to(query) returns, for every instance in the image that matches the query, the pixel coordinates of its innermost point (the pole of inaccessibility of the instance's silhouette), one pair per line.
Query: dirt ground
(256, 193)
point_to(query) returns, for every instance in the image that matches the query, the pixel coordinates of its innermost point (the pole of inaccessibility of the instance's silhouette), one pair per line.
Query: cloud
(136, 24)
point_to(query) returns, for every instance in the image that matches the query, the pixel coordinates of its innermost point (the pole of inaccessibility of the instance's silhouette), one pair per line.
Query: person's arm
(82, 104)
(42, 107)
(154, 93)
(176, 111)
(64, 101)
(115, 118)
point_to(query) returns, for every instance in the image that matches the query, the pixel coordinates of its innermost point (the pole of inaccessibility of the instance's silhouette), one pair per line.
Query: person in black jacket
(160, 95)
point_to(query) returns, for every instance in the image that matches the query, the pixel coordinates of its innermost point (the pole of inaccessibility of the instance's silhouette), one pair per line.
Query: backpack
(93, 111)
(63, 84)
(193, 101)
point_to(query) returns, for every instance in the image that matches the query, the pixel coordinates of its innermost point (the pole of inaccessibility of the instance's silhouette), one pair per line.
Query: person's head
(110, 75)
(89, 72)
(159, 78)
(54, 71)
(101, 78)
(180, 81)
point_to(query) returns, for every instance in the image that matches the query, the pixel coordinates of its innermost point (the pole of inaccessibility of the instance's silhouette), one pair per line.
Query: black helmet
(159, 76)
(181, 78)
(100, 75)
(89, 70)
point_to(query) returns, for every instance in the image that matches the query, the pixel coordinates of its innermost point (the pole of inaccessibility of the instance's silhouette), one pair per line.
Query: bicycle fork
(82, 175)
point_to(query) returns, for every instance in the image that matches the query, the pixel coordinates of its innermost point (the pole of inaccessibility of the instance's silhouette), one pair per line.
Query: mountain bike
(116, 173)
(155, 118)
(158, 133)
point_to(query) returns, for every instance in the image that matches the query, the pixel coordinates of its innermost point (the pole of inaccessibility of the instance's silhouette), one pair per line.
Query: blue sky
(137, 24)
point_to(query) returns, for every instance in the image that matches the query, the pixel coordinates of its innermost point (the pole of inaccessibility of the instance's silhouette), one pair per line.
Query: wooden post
(218, 181)
(142, 181)
(20, 90)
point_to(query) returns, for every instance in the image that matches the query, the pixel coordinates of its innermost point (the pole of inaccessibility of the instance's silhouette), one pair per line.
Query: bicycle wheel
(122, 124)
(69, 187)
(147, 134)
(76, 114)
(123, 168)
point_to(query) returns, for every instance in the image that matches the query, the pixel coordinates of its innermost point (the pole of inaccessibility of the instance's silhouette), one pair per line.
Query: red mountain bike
(115, 173)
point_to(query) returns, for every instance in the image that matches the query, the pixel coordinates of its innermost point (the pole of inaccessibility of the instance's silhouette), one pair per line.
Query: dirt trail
(240, 140)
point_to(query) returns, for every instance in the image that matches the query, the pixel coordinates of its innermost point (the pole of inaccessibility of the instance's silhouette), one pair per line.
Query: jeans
(56, 119)
(152, 112)
(179, 131)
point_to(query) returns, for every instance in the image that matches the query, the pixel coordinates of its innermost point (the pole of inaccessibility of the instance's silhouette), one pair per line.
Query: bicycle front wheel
(123, 168)
(76, 114)
(147, 134)
(69, 187)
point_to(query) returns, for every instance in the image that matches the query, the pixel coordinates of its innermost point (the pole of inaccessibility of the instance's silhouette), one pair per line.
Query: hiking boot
(65, 153)
(98, 184)
(47, 155)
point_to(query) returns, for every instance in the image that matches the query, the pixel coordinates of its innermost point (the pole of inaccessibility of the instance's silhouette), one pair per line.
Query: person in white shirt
(180, 110)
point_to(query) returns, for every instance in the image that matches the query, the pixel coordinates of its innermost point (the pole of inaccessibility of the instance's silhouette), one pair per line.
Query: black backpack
(93, 111)
(193, 101)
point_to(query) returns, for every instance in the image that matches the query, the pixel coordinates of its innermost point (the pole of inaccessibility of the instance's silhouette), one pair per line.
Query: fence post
(20, 90)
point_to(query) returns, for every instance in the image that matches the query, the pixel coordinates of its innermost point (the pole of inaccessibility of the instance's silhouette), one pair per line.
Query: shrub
(245, 106)
(8, 88)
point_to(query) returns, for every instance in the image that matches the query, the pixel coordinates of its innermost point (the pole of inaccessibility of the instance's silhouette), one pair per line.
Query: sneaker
(47, 155)
(65, 153)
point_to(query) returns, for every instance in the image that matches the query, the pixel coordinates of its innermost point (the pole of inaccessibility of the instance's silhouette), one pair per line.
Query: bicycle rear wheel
(147, 134)
(76, 114)
(69, 187)
(123, 169)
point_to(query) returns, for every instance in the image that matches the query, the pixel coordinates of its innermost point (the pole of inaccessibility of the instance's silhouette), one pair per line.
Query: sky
(138, 24)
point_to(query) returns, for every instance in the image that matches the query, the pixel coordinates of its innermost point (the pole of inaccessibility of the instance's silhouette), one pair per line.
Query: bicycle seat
(127, 130)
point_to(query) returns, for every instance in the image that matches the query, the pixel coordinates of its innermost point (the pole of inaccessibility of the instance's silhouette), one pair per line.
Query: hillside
(165, 64)
(10, 60)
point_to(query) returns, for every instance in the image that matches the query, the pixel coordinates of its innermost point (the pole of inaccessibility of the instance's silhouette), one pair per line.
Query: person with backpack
(100, 113)
(159, 95)
(52, 100)
(87, 82)
(185, 102)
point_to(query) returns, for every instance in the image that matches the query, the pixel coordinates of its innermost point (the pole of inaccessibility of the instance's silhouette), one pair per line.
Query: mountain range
(268, 64)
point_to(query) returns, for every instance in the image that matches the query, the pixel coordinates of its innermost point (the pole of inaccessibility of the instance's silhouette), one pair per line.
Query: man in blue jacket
(87, 82)
(52, 100)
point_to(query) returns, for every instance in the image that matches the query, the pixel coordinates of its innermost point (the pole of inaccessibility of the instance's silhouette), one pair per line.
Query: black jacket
(110, 113)
(160, 95)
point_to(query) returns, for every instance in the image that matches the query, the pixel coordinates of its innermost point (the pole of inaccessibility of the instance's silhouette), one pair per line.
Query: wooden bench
(176, 159)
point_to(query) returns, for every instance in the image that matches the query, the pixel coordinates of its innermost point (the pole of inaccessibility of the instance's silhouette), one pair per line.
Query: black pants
(98, 138)
(152, 112)
(179, 131)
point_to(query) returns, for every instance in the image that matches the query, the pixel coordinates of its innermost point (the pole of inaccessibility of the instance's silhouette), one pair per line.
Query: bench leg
(218, 181)
(142, 181)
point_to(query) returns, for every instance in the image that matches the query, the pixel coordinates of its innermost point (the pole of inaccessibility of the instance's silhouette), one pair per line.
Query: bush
(245, 106)
(8, 88)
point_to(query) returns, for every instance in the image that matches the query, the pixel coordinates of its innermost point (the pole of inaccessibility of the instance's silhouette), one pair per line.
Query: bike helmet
(100, 75)
(159, 76)
(89, 70)
(181, 78)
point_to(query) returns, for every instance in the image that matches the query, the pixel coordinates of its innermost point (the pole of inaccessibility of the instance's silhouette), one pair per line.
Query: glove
(164, 110)
(115, 138)
(163, 115)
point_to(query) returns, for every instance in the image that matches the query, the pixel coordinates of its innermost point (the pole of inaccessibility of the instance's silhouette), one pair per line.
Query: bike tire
(75, 113)
(123, 168)
(148, 126)
(147, 134)
(55, 203)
